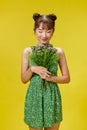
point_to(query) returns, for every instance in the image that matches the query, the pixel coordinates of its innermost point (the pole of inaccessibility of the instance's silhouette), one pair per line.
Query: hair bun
(52, 17)
(36, 16)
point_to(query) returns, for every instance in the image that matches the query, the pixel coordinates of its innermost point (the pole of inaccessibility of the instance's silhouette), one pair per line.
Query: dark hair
(47, 20)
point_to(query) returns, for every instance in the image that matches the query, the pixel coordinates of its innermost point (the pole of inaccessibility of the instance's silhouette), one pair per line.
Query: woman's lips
(44, 39)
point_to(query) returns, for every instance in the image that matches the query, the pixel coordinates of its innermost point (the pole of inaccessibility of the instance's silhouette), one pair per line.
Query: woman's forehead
(44, 26)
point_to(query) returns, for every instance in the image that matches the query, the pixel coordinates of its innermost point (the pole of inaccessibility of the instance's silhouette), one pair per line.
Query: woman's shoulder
(59, 50)
(27, 50)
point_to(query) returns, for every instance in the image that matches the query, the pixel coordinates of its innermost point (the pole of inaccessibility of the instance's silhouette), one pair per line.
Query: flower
(45, 55)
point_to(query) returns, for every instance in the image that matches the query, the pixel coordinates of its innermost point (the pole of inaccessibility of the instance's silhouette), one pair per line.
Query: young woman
(43, 108)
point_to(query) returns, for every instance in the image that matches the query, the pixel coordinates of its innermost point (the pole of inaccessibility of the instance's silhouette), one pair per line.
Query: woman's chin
(43, 42)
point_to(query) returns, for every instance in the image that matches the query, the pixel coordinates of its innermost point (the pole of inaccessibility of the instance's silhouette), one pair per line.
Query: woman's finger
(46, 71)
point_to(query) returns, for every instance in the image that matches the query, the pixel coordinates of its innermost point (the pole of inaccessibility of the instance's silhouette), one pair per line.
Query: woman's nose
(44, 34)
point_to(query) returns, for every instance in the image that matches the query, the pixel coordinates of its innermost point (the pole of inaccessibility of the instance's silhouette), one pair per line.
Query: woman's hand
(41, 71)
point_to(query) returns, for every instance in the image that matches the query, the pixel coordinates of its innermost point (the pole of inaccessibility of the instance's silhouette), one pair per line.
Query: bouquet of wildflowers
(44, 55)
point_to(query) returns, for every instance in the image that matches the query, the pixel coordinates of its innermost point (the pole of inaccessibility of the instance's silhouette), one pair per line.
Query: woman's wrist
(32, 68)
(50, 79)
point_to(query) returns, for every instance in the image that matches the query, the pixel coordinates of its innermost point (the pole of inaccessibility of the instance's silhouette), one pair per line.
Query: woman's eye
(40, 31)
(48, 31)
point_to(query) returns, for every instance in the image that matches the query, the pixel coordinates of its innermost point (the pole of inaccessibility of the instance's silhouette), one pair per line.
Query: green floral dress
(43, 106)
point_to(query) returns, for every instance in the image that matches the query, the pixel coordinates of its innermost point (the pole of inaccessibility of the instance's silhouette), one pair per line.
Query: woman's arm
(65, 77)
(26, 72)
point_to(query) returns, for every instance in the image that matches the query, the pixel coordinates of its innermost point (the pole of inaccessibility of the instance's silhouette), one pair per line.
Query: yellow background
(16, 33)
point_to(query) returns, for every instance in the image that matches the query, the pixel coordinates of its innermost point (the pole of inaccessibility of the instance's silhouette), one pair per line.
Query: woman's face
(43, 34)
